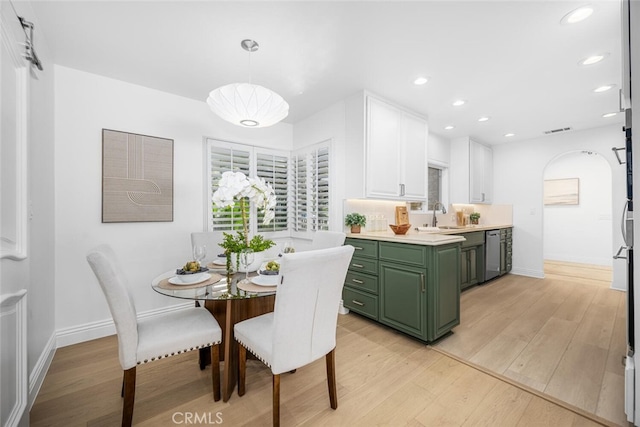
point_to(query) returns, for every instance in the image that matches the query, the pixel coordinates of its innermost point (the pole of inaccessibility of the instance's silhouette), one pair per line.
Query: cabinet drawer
(363, 248)
(363, 282)
(509, 232)
(360, 302)
(403, 253)
(363, 265)
(473, 239)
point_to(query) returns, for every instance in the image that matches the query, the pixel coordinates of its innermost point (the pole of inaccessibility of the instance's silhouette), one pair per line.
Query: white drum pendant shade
(248, 105)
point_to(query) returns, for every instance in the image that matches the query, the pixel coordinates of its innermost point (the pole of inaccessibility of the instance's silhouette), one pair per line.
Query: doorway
(577, 226)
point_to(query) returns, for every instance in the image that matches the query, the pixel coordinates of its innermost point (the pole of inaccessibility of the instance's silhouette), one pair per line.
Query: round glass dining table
(229, 304)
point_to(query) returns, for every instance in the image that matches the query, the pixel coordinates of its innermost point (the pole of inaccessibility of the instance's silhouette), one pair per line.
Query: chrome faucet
(434, 220)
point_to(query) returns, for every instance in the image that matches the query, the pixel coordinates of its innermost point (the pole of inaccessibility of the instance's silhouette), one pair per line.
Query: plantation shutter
(321, 191)
(224, 159)
(300, 210)
(274, 170)
(311, 189)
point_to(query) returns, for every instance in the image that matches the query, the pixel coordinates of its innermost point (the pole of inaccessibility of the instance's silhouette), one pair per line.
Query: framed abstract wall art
(137, 177)
(561, 191)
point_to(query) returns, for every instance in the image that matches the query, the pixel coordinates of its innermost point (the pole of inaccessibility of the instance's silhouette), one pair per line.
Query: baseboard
(102, 328)
(36, 377)
(538, 274)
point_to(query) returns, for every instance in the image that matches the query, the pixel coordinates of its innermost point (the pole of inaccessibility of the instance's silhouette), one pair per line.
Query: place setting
(192, 274)
(267, 280)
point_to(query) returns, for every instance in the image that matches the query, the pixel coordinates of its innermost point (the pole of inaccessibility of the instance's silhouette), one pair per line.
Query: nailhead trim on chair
(252, 352)
(177, 352)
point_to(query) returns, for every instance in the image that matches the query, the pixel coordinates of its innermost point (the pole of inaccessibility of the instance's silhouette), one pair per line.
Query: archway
(579, 230)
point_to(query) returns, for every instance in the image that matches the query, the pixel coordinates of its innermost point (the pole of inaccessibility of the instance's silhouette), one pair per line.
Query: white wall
(580, 233)
(85, 104)
(518, 180)
(438, 148)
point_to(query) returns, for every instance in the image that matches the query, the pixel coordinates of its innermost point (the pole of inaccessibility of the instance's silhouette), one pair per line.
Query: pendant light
(246, 104)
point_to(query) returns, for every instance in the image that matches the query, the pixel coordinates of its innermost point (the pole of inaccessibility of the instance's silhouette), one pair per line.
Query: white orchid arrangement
(235, 186)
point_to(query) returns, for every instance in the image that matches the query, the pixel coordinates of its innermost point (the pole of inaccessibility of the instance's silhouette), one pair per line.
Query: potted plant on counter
(474, 217)
(355, 221)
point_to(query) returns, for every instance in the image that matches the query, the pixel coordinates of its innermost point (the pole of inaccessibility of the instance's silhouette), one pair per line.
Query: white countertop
(443, 237)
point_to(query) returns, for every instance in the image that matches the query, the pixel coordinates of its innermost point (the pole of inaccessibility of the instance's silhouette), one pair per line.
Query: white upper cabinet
(481, 173)
(471, 177)
(392, 143)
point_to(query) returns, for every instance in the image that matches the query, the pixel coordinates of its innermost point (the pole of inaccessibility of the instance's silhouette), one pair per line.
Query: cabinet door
(414, 157)
(465, 281)
(480, 173)
(383, 151)
(473, 267)
(403, 298)
(444, 291)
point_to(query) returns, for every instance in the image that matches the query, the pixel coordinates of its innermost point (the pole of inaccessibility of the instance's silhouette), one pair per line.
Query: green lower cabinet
(415, 289)
(444, 291)
(403, 296)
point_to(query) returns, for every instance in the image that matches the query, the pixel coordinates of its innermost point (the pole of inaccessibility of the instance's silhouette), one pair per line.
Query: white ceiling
(512, 61)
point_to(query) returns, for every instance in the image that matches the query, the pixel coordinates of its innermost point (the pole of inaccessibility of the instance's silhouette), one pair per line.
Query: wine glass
(247, 256)
(199, 252)
(288, 247)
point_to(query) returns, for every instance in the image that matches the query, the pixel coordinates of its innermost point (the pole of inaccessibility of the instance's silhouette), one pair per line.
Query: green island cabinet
(412, 288)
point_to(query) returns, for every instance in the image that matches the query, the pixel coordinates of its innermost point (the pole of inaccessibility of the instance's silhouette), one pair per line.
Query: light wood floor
(563, 336)
(384, 378)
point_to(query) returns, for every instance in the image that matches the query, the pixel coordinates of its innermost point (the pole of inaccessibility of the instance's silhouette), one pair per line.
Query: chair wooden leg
(129, 396)
(276, 400)
(242, 368)
(331, 378)
(215, 371)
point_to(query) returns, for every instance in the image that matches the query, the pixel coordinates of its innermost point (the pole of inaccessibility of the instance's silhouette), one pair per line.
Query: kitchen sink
(452, 227)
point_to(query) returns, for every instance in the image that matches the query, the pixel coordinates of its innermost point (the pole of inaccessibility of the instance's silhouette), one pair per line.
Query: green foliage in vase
(236, 243)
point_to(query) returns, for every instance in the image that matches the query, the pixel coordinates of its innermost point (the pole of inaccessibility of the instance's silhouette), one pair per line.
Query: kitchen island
(408, 282)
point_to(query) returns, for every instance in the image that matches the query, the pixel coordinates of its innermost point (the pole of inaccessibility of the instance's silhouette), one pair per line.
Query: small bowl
(400, 229)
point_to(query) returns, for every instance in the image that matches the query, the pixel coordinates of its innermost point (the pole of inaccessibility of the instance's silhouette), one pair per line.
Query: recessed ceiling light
(604, 88)
(509, 135)
(606, 115)
(420, 81)
(577, 15)
(593, 59)
(483, 119)
(458, 102)
(449, 127)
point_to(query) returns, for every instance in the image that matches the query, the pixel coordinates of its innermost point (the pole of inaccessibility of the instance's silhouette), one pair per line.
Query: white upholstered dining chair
(302, 327)
(145, 340)
(327, 239)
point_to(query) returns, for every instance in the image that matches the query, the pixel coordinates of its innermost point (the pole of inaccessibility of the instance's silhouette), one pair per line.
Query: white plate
(189, 279)
(219, 261)
(266, 280)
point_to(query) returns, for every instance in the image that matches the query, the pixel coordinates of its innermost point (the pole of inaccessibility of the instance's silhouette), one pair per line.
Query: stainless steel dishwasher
(492, 254)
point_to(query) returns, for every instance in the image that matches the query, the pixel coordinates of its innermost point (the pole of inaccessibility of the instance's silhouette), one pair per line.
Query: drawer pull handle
(357, 281)
(357, 265)
(356, 302)
(424, 289)
(357, 248)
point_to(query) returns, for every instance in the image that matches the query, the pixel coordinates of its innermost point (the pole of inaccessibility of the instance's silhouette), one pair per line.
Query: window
(438, 185)
(310, 189)
(252, 161)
